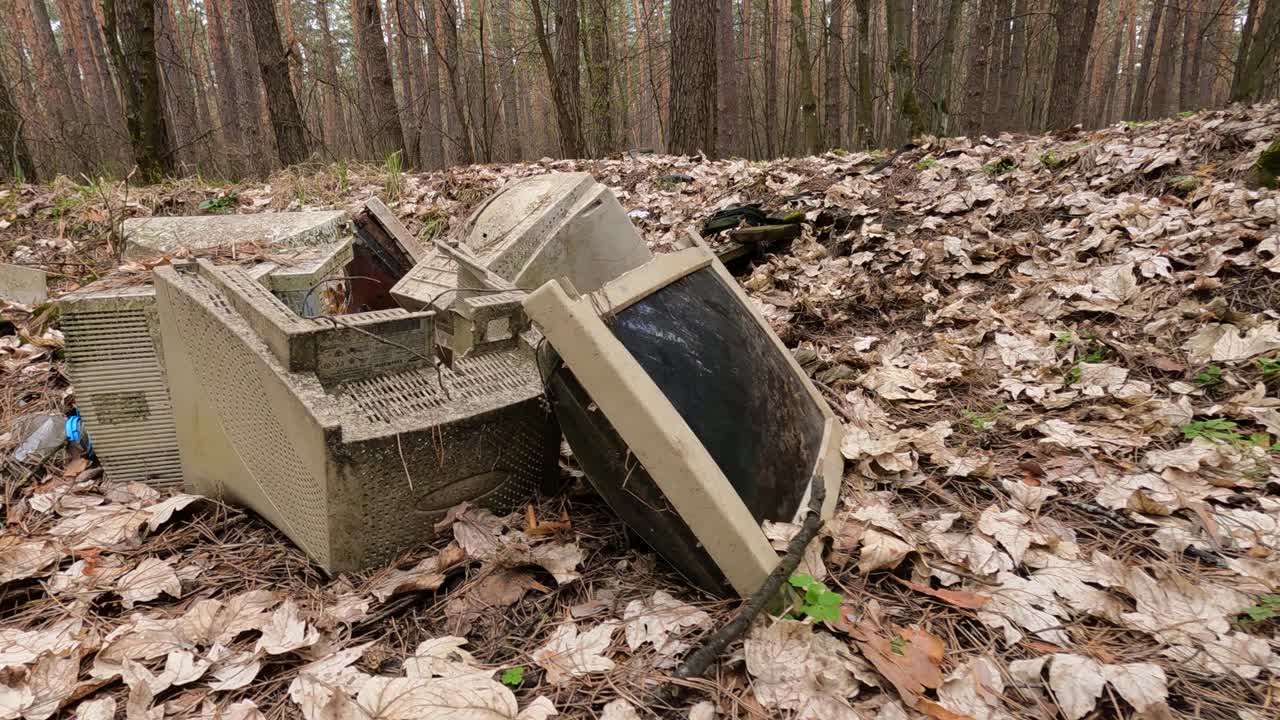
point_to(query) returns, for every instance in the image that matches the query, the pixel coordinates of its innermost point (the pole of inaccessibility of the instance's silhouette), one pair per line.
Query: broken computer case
(687, 413)
(342, 431)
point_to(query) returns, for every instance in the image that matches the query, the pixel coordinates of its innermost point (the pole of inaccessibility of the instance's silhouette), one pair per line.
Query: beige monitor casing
(577, 327)
(534, 230)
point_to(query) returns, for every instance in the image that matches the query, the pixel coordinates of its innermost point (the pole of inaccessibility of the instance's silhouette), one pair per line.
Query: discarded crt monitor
(341, 431)
(113, 342)
(687, 413)
(538, 229)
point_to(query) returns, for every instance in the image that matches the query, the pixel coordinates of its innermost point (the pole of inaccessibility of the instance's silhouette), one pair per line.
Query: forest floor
(1056, 358)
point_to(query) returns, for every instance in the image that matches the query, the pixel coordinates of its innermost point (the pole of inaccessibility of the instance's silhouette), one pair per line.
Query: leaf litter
(1062, 405)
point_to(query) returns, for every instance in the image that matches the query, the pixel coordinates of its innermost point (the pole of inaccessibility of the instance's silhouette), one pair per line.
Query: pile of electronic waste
(358, 372)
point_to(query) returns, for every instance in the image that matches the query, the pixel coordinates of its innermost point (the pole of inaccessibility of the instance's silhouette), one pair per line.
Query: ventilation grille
(236, 381)
(501, 378)
(496, 462)
(119, 380)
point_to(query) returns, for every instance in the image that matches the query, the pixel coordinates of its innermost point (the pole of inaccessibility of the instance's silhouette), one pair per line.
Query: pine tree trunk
(1141, 108)
(808, 103)
(1075, 22)
(388, 136)
(179, 97)
(1011, 75)
(1256, 55)
(273, 63)
(1188, 78)
(228, 91)
(771, 77)
(902, 66)
(1162, 101)
(129, 27)
(50, 68)
(1124, 106)
(510, 91)
(1107, 96)
(693, 76)
(972, 117)
(15, 159)
(727, 91)
(946, 70)
(294, 57)
(568, 78)
(448, 54)
(410, 87)
(244, 64)
(332, 127)
(601, 140)
(833, 117)
(864, 135)
(433, 133)
(93, 31)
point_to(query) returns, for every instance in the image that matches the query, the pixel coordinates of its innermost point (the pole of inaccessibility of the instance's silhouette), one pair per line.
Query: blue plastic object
(76, 436)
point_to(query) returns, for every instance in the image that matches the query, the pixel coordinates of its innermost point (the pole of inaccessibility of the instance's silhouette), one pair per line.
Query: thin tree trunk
(93, 31)
(388, 134)
(902, 66)
(693, 76)
(15, 158)
(865, 136)
(1141, 107)
(808, 103)
(1011, 76)
(273, 63)
(510, 91)
(227, 86)
(1251, 73)
(727, 89)
(332, 126)
(771, 77)
(972, 116)
(567, 77)
(601, 133)
(409, 87)
(291, 48)
(1075, 22)
(1125, 107)
(433, 148)
(1162, 102)
(1107, 96)
(179, 97)
(134, 54)
(946, 71)
(833, 117)
(244, 63)
(1188, 78)
(50, 68)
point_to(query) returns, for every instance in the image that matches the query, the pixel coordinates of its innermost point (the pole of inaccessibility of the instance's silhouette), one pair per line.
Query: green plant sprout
(982, 420)
(1051, 160)
(898, 645)
(1000, 167)
(1208, 377)
(1270, 368)
(513, 676)
(220, 203)
(819, 603)
(926, 162)
(1268, 607)
(1216, 429)
(1074, 374)
(1063, 339)
(395, 176)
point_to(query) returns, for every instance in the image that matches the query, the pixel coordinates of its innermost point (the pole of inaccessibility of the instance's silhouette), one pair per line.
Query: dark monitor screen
(731, 384)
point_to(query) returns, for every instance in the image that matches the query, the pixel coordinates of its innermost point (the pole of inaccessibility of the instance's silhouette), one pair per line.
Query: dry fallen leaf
(661, 621)
(152, 577)
(958, 598)
(568, 654)
(910, 658)
(809, 673)
(286, 631)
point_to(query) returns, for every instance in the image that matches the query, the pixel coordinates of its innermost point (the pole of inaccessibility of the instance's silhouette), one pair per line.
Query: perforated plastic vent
(235, 379)
(384, 398)
(116, 370)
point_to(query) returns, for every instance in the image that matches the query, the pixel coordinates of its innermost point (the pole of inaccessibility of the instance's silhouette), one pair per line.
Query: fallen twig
(699, 661)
